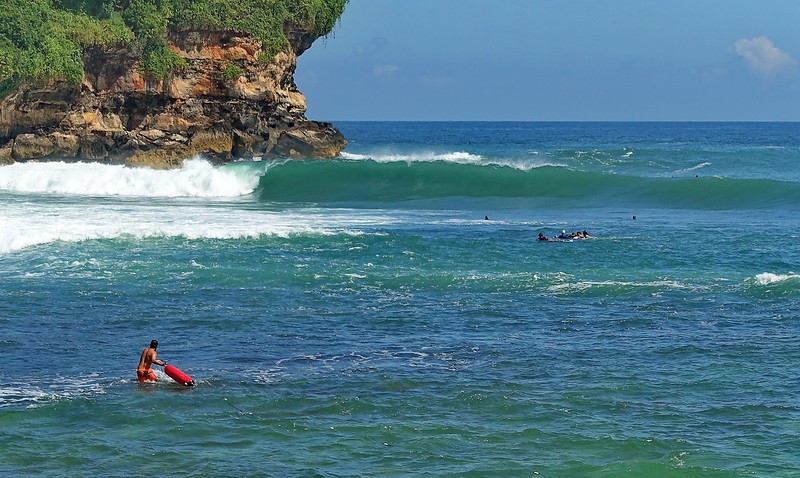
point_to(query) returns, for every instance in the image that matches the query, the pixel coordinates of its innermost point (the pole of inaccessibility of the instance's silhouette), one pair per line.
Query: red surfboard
(180, 377)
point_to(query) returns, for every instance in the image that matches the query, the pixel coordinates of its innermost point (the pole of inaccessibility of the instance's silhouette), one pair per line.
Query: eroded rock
(118, 115)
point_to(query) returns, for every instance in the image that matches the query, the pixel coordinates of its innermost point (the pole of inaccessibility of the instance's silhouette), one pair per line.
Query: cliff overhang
(226, 103)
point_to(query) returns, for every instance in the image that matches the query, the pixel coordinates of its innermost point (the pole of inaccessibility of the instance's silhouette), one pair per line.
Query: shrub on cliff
(231, 72)
(149, 20)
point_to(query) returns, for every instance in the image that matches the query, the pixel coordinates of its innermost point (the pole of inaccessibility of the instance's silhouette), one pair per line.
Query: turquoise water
(360, 317)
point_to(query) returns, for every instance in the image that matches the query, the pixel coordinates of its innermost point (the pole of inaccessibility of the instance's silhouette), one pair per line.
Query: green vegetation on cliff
(45, 39)
(264, 19)
(40, 41)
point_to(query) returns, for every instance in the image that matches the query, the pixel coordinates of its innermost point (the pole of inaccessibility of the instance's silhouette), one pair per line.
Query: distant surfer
(542, 237)
(149, 357)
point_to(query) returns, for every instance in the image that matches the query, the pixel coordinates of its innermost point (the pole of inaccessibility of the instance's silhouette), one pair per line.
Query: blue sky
(557, 60)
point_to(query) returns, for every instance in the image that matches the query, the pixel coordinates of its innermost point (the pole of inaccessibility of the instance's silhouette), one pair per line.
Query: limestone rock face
(117, 115)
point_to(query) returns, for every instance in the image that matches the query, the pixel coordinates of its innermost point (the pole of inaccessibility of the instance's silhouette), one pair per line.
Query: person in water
(149, 357)
(542, 237)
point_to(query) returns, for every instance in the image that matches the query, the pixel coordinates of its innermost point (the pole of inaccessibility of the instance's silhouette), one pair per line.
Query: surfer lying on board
(564, 237)
(149, 357)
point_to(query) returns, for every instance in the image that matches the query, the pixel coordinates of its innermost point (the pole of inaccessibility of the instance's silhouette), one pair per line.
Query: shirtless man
(148, 358)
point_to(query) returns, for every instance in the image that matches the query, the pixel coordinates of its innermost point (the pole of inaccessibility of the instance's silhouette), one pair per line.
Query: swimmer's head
(153, 344)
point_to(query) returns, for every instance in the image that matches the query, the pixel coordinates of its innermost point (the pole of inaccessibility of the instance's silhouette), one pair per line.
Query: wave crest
(197, 178)
(768, 284)
(767, 278)
(459, 157)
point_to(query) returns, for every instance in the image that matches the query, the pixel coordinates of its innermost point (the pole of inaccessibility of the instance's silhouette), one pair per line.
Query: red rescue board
(180, 377)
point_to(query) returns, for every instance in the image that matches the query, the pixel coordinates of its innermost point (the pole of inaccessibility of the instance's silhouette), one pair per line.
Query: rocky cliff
(225, 104)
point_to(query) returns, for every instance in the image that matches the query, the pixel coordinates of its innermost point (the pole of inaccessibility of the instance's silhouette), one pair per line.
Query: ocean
(390, 312)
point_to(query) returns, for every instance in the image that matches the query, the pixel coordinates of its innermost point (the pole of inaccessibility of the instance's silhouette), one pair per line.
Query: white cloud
(384, 69)
(763, 57)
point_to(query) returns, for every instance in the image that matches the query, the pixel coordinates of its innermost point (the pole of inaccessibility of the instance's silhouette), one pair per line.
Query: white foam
(38, 221)
(582, 286)
(693, 168)
(15, 394)
(197, 178)
(458, 157)
(766, 278)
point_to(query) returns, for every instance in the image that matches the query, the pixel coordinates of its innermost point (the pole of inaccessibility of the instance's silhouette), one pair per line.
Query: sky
(557, 60)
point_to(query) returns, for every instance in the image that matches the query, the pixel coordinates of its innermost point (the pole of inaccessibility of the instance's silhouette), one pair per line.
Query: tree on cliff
(45, 39)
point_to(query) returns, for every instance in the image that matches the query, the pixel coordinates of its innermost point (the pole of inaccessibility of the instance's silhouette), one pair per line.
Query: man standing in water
(149, 357)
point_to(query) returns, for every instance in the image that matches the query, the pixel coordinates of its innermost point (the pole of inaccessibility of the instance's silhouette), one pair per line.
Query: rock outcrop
(225, 104)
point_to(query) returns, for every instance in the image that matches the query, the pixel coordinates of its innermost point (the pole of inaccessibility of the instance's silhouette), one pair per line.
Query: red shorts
(146, 375)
